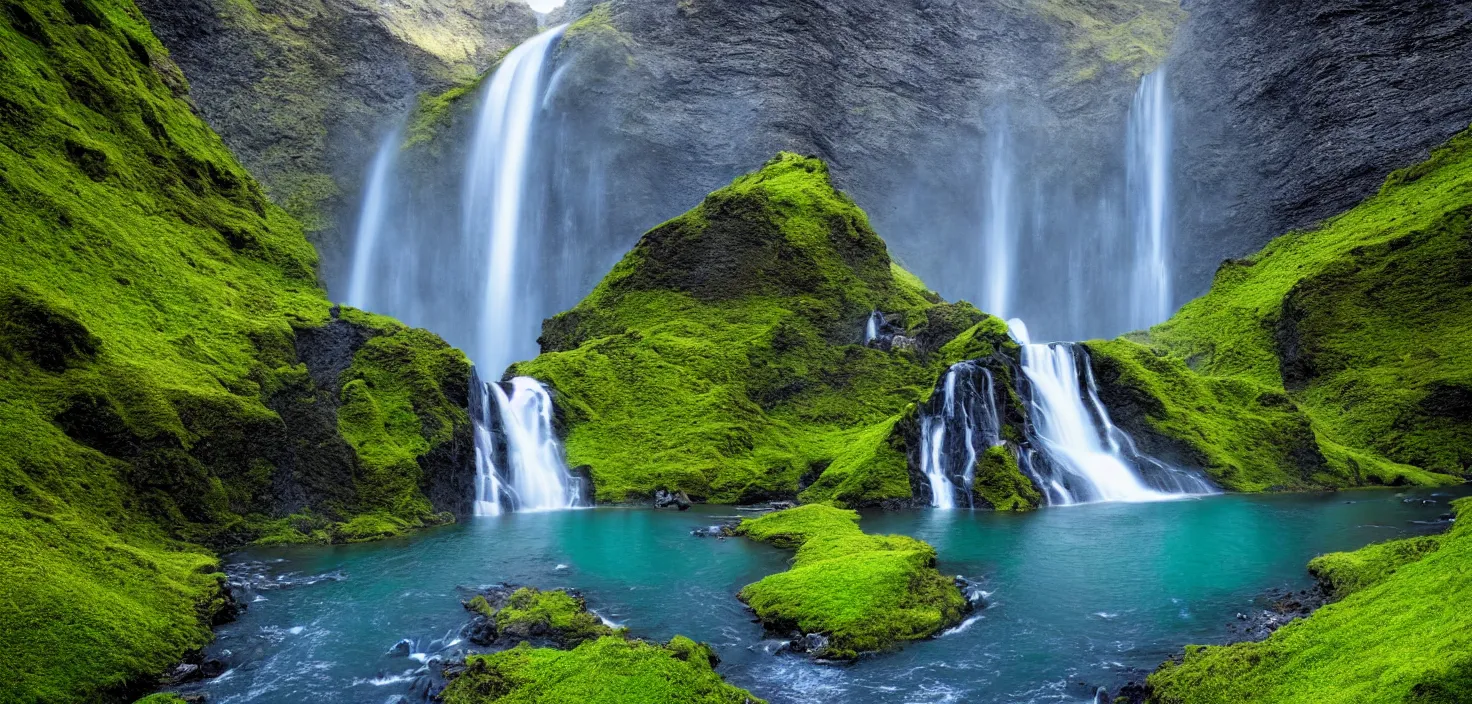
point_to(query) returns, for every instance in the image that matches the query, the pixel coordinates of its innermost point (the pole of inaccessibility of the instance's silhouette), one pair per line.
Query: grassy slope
(149, 300)
(608, 670)
(866, 592)
(1352, 334)
(1403, 633)
(722, 355)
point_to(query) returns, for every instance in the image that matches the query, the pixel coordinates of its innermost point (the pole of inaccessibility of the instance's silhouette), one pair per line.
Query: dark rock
(258, 75)
(667, 499)
(808, 643)
(401, 649)
(724, 530)
(212, 668)
(1290, 112)
(481, 631)
(184, 672)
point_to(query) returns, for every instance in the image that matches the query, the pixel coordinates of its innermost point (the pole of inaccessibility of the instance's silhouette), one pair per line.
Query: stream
(1080, 597)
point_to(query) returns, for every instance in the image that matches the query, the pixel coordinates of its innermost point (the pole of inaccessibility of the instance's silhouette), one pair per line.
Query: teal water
(1080, 597)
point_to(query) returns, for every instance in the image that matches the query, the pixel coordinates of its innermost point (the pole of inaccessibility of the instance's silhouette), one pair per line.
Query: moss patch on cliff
(865, 592)
(1130, 35)
(1336, 353)
(723, 355)
(602, 671)
(156, 313)
(555, 614)
(1403, 633)
(1000, 483)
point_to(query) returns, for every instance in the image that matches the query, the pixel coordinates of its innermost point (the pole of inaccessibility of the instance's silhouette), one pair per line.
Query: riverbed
(1078, 598)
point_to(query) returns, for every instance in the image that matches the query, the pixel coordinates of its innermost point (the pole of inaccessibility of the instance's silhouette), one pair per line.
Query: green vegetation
(609, 670)
(156, 314)
(1335, 356)
(530, 612)
(865, 592)
(1133, 35)
(722, 355)
(1000, 483)
(1403, 633)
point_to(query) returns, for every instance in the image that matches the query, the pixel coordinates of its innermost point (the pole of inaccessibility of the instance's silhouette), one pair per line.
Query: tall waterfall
(371, 218)
(1085, 456)
(495, 182)
(999, 237)
(526, 470)
(967, 423)
(1148, 183)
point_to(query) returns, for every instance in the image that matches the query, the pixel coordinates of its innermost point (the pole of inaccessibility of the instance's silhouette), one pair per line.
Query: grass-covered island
(861, 592)
(591, 662)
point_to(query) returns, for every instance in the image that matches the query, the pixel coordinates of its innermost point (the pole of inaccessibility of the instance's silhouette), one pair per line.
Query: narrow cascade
(518, 460)
(999, 238)
(371, 218)
(951, 436)
(1148, 184)
(871, 327)
(1084, 457)
(495, 182)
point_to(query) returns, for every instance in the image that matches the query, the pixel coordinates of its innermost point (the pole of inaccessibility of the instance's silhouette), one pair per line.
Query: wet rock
(975, 595)
(724, 530)
(676, 499)
(183, 672)
(808, 643)
(901, 342)
(212, 668)
(1277, 608)
(401, 649)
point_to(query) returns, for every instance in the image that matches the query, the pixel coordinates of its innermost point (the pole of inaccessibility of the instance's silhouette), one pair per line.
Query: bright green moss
(151, 303)
(1347, 572)
(1403, 634)
(609, 670)
(1133, 35)
(722, 355)
(865, 592)
(1336, 353)
(531, 611)
(1000, 483)
(162, 698)
(434, 112)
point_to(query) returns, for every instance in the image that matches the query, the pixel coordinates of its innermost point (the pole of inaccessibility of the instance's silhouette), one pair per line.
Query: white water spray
(531, 474)
(371, 217)
(999, 237)
(871, 327)
(1148, 183)
(494, 186)
(967, 420)
(1095, 461)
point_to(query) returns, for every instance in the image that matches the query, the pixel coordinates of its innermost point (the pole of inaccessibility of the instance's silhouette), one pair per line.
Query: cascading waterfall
(495, 183)
(1148, 183)
(951, 438)
(1085, 457)
(371, 218)
(529, 472)
(999, 238)
(871, 327)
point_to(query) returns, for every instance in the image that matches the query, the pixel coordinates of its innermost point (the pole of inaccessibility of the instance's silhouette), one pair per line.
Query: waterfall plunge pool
(1080, 597)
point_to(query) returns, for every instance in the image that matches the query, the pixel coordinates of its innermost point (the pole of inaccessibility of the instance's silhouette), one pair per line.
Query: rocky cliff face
(302, 92)
(1291, 112)
(906, 100)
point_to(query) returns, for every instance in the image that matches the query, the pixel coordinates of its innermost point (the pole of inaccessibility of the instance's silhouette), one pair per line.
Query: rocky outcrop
(1288, 113)
(302, 92)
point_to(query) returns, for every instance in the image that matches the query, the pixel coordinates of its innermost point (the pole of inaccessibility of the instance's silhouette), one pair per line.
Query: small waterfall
(525, 470)
(871, 327)
(1084, 457)
(952, 436)
(1148, 184)
(494, 185)
(999, 236)
(371, 218)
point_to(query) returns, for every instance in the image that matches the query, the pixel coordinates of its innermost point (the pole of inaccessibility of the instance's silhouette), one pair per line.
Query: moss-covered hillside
(723, 355)
(171, 375)
(863, 592)
(1403, 633)
(1339, 353)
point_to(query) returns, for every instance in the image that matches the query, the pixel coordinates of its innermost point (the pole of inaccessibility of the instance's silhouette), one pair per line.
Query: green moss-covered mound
(1334, 357)
(531, 613)
(864, 592)
(608, 670)
(172, 376)
(723, 356)
(1403, 633)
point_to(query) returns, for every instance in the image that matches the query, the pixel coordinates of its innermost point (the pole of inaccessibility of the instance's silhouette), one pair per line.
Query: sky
(545, 5)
